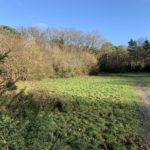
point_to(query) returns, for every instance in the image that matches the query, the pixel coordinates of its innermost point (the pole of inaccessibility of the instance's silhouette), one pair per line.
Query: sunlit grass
(147, 82)
(101, 111)
(94, 88)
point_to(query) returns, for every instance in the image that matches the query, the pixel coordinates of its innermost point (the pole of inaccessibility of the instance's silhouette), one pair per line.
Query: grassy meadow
(147, 82)
(83, 113)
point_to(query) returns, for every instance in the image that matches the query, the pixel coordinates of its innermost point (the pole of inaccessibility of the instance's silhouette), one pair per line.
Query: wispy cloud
(40, 25)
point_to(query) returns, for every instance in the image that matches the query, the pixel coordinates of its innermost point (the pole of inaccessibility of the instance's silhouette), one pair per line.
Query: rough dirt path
(145, 110)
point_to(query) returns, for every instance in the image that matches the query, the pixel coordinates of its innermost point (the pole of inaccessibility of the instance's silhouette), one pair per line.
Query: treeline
(48, 53)
(132, 58)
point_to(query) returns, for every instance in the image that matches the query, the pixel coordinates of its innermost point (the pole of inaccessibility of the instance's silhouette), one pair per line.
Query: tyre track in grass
(145, 111)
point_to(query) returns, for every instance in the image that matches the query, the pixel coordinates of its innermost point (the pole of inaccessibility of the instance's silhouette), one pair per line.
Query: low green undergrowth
(74, 113)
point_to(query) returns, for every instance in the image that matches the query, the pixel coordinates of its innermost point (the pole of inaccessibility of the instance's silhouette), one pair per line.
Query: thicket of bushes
(37, 54)
(48, 53)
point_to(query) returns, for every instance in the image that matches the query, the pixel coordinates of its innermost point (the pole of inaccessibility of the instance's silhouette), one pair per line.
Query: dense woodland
(36, 53)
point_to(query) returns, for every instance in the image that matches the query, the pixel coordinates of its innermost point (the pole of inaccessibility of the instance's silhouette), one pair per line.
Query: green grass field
(147, 82)
(93, 112)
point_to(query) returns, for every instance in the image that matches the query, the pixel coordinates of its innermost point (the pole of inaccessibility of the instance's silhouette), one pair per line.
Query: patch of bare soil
(145, 111)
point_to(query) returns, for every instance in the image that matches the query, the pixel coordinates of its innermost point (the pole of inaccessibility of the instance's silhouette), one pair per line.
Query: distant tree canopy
(113, 58)
(37, 54)
(135, 57)
(139, 55)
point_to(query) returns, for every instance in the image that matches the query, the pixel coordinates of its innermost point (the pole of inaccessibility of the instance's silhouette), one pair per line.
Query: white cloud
(40, 25)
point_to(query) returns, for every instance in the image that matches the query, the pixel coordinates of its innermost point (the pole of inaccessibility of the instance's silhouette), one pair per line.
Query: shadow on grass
(132, 78)
(56, 122)
(132, 75)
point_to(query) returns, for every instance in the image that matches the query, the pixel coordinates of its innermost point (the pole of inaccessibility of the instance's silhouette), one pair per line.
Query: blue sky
(116, 20)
